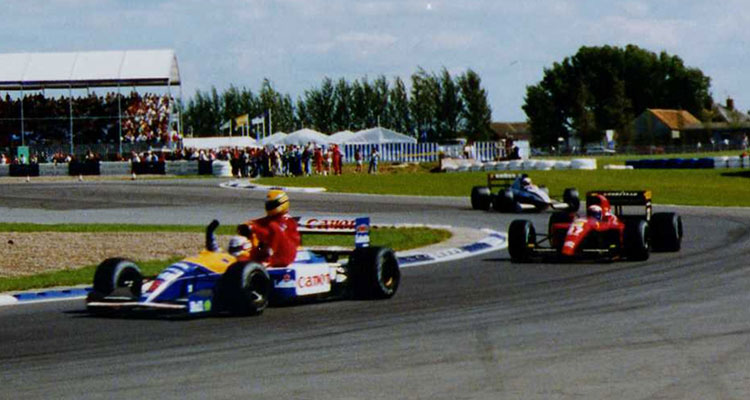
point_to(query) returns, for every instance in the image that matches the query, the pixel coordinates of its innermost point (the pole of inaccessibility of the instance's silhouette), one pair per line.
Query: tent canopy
(341, 137)
(88, 69)
(218, 142)
(379, 136)
(305, 136)
(273, 138)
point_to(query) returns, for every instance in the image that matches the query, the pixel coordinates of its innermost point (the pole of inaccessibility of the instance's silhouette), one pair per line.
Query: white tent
(305, 136)
(268, 140)
(217, 142)
(379, 136)
(341, 137)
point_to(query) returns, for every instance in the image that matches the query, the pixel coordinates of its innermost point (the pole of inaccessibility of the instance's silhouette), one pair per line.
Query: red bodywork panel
(581, 228)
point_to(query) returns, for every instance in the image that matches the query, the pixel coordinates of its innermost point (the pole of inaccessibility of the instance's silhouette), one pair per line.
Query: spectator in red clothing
(275, 237)
(337, 159)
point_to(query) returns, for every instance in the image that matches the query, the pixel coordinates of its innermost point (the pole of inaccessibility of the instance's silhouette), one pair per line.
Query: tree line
(601, 88)
(437, 107)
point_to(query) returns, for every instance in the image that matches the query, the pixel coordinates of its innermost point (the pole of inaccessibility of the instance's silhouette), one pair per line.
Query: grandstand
(76, 123)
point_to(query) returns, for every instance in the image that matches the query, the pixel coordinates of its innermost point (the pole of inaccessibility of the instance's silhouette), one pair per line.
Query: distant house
(511, 130)
(658, 126)
(725, 125)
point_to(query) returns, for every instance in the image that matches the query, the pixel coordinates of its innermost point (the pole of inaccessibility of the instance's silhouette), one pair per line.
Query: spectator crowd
(145, 118)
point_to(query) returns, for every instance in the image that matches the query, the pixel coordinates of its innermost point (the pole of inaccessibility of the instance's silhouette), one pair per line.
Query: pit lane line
(493, 241)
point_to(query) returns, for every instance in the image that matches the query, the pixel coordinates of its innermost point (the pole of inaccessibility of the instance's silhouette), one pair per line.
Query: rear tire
(521, 234)
(666, 233)
(636, 246)
(481, 197)
(117, 276)
(374, 273)
(571, 197)
(244, 289)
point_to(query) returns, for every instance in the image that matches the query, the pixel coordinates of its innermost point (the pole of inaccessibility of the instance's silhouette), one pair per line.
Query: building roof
(88, 69)
(674, 119)
(512, 130)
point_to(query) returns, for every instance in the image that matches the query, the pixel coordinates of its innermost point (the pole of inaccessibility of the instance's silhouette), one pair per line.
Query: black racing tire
(373, 272)
(571, 197)
(521, 234)
(636, 240)
(117, 275)
(481, 197)
(666, 231)
(505, 202)
(244, 289)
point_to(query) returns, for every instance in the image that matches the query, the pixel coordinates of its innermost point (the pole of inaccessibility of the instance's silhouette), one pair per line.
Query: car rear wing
(619, 198)
(500, 180)
(359, 227)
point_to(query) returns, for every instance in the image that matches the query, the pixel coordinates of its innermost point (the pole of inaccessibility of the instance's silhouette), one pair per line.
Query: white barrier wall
(460, 165)
(114, 168)
(52, 169)
(221, 168)
(4, 169)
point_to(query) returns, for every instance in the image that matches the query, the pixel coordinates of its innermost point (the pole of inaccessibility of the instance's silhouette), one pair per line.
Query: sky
(297, 43)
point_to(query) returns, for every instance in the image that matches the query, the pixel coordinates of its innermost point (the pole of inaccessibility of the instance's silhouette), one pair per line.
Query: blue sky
(296, 43)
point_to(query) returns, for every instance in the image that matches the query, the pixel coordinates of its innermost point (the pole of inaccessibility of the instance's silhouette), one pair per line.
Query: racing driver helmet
(526, 181)
(277, 202)
(594, 211)
(239, 245)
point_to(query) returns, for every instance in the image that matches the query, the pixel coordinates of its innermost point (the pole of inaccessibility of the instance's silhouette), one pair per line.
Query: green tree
(449, 108)
(476, 113)
(423, 103)
(602, 88)
(398, 107)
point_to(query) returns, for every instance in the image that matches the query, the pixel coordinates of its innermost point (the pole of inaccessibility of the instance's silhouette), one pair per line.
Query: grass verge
(704, 187)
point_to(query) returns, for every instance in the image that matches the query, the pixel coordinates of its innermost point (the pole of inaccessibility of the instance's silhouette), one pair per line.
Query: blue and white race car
(217, 282)
(516, 193)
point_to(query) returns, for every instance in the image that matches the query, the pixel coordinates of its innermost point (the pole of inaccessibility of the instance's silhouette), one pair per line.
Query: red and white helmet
(594, 211)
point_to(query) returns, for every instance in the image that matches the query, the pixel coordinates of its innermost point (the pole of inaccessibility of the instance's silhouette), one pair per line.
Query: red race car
(605, 232)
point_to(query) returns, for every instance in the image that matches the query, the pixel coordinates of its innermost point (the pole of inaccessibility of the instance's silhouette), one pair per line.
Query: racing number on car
(576, 228)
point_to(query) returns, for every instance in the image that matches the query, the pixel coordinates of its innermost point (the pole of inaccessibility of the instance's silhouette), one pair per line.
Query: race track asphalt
(674, 327)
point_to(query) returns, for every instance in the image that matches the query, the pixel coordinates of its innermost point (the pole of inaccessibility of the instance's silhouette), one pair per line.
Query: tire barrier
(52, 169)
(24, 170)
(221, 168)
(464, 165)
(148, 168)
(691, 163)
(84, 168)
(4, 169)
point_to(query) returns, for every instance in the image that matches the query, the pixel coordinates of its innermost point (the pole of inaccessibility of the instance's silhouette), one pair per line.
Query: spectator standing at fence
(374, 158)
(318, 156)
(337, 159)
(358, 159)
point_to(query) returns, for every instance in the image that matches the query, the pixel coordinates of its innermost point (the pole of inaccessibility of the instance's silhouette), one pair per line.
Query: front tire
(244, 289)
(374, 273)
(117, 276)
(521, 240)
(505, 202)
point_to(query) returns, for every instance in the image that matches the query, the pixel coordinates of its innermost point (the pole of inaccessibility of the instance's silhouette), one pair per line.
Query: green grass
(395, 238)
(705, 187)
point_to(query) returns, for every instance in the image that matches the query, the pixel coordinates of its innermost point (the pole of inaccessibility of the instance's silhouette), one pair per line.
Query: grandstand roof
(89, 69)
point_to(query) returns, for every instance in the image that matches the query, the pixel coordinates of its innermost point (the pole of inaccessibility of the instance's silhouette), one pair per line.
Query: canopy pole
(70, 109)
(119, 120)
(23, 135)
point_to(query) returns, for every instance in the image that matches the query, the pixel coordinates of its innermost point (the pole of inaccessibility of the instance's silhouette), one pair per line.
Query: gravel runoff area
(23, 253)
(27, 253)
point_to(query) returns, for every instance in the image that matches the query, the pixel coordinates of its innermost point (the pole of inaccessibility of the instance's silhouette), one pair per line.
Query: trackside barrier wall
(691, 163)
(462, 165)
(114, 168)
(121, 168)
(417, 152)
(53, 169)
